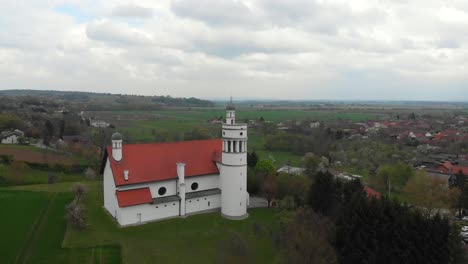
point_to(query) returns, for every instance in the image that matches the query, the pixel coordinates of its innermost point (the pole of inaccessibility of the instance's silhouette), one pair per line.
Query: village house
(99, 123)
(148, 182)
(11, 136)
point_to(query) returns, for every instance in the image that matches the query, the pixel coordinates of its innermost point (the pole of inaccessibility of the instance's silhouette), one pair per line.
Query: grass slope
(195, 239)
(33, 229)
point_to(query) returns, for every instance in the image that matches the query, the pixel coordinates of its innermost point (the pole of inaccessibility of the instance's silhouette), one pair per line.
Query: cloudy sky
(284, 49)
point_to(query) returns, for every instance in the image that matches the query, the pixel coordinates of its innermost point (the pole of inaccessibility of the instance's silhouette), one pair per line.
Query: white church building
(148, 182)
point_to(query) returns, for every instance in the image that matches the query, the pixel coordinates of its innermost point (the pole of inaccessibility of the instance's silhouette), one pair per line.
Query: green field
(268, 115)
(32, 228)
(195, 239)
(36, 222)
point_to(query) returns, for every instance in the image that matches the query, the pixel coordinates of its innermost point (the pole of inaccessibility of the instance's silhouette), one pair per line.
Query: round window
(162, 191)
(241, 133)
(194, 186)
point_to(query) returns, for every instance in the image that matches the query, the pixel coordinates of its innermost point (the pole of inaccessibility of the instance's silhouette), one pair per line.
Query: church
(149, 182)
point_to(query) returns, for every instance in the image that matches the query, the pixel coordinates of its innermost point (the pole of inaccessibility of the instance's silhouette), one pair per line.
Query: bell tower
(117, 146)
(233, 176)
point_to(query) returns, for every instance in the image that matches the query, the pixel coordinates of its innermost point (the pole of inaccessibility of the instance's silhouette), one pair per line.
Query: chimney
(181, 176)
(181, 172)
(126, 175)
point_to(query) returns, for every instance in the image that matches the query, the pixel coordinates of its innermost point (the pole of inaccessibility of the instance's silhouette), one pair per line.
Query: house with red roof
(371, 192)
(449, 168)
(149, 182)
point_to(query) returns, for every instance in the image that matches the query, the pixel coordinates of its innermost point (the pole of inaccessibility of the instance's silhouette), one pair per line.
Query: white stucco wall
(203, 203)
(233, 182)
(13, 139)
(149, 212)
(170, 186)
(205, 182)
(110, 198)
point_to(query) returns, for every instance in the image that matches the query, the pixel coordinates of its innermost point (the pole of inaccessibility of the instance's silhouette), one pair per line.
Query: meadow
(195, 239)
(32, 228)
(36, 222)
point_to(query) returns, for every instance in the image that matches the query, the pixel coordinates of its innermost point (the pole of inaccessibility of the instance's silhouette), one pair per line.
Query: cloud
(214, 12)
(132, 11)
(214, 48)
(117, 33)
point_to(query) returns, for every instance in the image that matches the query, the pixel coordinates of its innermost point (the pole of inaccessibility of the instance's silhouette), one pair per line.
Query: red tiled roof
(371, 192)
(157, 162)
(134, 197)
(447, 166)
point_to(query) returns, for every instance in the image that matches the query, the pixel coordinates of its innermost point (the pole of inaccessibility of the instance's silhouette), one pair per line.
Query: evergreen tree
(252, 159)
(323, 193)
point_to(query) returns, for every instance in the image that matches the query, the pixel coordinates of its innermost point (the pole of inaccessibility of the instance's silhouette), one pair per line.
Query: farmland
(36, 155)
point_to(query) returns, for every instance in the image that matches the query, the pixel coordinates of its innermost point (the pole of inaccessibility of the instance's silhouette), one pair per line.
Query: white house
(99, 123)
(11, 137)
(148, 182)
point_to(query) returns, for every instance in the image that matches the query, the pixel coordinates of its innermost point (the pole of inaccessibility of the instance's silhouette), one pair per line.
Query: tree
(264, 167)
(48, 131)
(427, 192)
(386, 231)
(252, 159)
(262, 119)
(51, 178)
(307, 239)
(270, 187)
(253, 181)
(323, 193)
(393, 177)
(76, 215)
(80, 190)
(311, 163)
(462, 193)
(294, 186)
(90, 173)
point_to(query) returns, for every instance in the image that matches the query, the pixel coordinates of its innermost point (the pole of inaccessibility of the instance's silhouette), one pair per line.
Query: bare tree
(270, 187)
(80, 190)
(76, 215)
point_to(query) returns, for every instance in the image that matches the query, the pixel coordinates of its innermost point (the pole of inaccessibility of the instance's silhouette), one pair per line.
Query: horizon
(242, 99)
(279, 50)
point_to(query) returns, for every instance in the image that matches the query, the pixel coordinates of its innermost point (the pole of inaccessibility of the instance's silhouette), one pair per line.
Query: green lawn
(36, 213)
(195, 239)
(33, 226)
